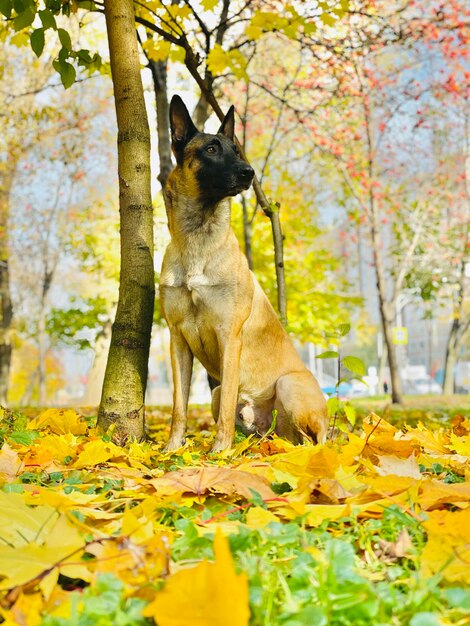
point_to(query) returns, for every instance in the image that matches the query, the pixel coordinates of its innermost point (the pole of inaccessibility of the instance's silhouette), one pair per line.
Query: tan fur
(217, 312)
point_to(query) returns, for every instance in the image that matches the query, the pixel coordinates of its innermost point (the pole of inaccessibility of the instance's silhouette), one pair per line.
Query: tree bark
(42, 351)
(450, 362)
(122, 400)
(458, 333)
(386, 307)
(385, 316)
(201, 112)
(247, 237)
(6, 306)
(94, 385)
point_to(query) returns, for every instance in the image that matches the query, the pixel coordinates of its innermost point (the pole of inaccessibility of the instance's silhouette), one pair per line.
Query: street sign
(400, 335)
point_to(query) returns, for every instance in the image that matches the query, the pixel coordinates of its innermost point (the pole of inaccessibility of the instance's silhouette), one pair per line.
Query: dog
(214, 306)
(250, 418)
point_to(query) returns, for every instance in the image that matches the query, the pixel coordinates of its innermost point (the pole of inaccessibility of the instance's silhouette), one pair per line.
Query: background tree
(51, 201)
(18, 122)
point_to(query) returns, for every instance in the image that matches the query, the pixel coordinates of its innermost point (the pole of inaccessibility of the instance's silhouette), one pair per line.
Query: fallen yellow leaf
(20, 524)
(210, 479)
(21, 565)
(429, 440)
(448, 547)
(26, 610)
(210, 594)
(10, 464)
(257, 517)
(435, 493)
(316, 514)
(37, 539)
(461, 445)
(398, 467)
(315, 461)
(59, 446)
(60, 422)
(97, 451)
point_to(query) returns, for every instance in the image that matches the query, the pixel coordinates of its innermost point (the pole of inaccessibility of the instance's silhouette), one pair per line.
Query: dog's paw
(174, 444)
(220, 444)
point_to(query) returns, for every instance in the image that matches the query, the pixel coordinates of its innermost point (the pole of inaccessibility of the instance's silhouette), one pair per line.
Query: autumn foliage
(373, 527)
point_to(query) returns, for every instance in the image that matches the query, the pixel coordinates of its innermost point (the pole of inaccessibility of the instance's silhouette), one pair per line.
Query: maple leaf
(315, 461)
(435, 493)
(461, 445)
(430, 441)
(10, 464)
(97, 451)
(448, 548)
(203, 480)
(324, 490)
(316, 514)
(60, 422)
(257, 517)
(26, 611)
(37, 539)
(394, 550)
(387, 444)
(398, 467)
(210, 594)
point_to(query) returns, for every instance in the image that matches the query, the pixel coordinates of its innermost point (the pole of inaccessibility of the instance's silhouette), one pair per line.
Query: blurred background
(358, 127)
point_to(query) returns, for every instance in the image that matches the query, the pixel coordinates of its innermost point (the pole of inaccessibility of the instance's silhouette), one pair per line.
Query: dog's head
(211, 163)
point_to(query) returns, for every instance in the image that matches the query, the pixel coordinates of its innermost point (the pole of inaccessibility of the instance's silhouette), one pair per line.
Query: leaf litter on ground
(371, 528)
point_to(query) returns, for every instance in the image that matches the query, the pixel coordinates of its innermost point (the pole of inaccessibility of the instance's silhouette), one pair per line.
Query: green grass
(431, 410)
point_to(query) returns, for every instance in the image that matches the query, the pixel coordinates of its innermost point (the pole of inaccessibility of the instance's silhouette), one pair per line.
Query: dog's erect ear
(227, 127)
(181, 124)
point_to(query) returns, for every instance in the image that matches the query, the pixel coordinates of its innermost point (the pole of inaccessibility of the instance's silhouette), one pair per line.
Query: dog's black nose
(247, 172)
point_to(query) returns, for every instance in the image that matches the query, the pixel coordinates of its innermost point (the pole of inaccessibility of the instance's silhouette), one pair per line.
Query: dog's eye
(211, 149)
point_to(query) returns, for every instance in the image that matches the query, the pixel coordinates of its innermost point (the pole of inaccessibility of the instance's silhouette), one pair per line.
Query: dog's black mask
(213, 160)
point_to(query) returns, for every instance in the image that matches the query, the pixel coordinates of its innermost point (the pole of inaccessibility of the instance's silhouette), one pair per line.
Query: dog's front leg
(228, 392)
(182, 367)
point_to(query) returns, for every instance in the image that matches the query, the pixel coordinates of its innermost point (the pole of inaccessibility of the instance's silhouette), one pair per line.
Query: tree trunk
(384, 309)
(278, 240)
(6, 316)
(122, 400)
(395, 381)
(380, 374)
(94, 385)
(42, 350)
(460, 323)
(448, 386)
(247, 234)
(6, 307)
(201, 112)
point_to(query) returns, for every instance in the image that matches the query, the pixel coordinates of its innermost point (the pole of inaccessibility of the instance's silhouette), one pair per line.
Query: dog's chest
(192, 290)
(190, 303)
(193, 282)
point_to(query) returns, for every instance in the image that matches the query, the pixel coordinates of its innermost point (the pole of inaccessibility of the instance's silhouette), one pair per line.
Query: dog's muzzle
(245, 176)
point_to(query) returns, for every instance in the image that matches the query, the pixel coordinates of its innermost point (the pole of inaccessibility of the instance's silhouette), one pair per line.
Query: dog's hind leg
(301, 408)
(215, 403)
(182, 368)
